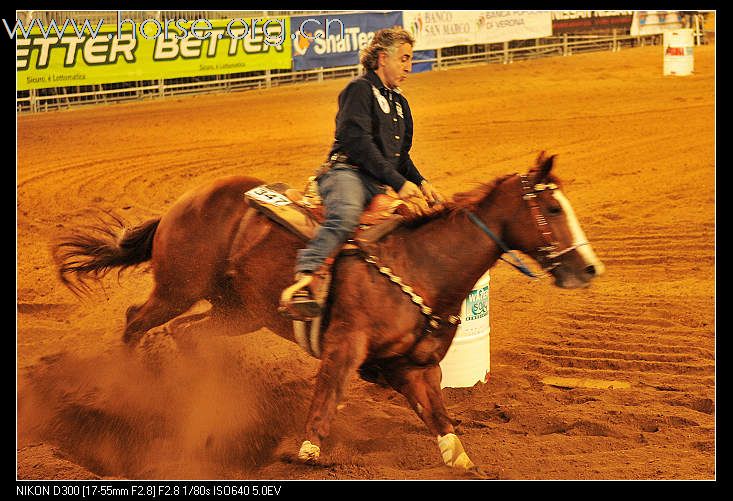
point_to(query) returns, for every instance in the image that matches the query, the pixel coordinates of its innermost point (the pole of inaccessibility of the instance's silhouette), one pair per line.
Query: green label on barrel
(477, 304)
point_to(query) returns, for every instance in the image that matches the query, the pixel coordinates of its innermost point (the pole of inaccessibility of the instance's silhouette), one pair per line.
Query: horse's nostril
(590, 270)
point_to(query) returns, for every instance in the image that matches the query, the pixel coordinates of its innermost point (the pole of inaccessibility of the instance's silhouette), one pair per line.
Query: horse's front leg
(421, 386)
(343, 352)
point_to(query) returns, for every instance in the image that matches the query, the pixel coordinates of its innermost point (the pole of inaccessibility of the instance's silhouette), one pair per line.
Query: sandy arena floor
(637, 154)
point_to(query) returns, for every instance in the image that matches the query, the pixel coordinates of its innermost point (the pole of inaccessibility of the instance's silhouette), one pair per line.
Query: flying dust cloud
(213, 412)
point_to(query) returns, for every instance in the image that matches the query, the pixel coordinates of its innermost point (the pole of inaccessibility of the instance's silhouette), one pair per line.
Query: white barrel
(678, 52)
(467, 361)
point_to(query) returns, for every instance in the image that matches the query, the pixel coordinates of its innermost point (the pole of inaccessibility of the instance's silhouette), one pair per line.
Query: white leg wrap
(309, 452)
(453, 453)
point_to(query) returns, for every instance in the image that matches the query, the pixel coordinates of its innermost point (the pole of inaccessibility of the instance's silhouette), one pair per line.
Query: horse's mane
(462, 201)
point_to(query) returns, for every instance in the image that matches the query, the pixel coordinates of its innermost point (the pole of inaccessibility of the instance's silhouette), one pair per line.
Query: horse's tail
(92, 251)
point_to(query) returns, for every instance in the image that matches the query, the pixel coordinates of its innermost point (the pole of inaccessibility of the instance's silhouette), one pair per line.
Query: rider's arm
(407, 166)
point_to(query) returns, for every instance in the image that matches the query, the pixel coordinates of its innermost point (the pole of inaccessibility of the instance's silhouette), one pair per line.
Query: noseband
(549, 260)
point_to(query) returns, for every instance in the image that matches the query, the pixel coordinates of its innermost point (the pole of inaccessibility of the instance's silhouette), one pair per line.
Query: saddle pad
(282, 210)
(267, 196)
(271, 201)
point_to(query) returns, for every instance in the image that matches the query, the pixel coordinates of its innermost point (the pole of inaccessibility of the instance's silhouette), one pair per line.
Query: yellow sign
(150, 50)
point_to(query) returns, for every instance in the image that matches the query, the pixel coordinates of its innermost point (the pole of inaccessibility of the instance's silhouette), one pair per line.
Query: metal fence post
(506, 52)
(565, 50)
(268, 79)
(33, 104)
(438, 56)
(614, 47)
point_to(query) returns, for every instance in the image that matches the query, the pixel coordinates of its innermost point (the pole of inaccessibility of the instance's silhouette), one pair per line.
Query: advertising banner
(149, 50)
(419, 60)
(335, 40)
(434, 29)
(654, 22)
(591, 21)
(505, 25)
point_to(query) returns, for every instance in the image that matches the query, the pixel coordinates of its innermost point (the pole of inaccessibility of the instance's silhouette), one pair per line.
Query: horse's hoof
(464, 462)
(131, 346)
(132, 339)
(309, 453)
(453, 453)
(478, 472)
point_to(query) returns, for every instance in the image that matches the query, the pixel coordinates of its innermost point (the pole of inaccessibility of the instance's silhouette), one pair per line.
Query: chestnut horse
(212, 245)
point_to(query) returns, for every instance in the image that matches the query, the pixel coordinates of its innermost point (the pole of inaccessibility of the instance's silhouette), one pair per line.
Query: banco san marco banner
(434, 29)
(150, 50)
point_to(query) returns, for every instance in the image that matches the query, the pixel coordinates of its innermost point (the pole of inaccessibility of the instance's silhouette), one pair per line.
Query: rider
(371, 151)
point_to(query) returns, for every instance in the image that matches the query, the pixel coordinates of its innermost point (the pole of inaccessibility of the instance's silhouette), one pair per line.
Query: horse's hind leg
(157, 310)
(421, 387)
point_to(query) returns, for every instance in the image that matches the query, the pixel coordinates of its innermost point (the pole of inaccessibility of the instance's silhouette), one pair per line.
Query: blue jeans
(345, 193)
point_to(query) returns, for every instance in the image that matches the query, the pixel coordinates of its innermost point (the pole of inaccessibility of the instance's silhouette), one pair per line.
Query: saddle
(302, 212)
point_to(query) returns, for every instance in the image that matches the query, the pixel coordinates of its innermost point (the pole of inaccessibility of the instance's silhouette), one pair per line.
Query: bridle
(549, 250)
(550, 255)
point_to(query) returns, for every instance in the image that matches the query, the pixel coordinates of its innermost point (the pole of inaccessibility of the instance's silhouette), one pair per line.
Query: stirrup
(304, 305)
(297, 303)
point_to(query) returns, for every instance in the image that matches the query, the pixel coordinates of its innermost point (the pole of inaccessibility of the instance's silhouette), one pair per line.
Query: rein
(518, 264)
(551, 254)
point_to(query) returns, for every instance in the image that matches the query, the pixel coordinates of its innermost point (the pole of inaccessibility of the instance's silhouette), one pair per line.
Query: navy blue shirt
(374, 129)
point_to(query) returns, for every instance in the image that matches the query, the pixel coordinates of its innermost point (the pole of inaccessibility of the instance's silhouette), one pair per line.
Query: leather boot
(305, 299)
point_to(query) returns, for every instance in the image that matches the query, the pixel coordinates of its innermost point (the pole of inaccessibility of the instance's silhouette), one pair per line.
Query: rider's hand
(411, 194)
(432, 195)
(409, 190)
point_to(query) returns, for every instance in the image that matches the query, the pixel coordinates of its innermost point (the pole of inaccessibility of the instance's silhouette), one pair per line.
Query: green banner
(150, 50)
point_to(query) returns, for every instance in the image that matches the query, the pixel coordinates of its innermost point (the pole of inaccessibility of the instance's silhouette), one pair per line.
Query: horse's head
(545, 228)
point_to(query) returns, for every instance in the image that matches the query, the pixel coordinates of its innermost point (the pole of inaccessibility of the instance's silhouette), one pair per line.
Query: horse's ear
(540, 158)
(542, 168)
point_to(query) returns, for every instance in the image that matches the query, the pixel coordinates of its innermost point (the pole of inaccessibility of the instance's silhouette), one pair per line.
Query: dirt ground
(637, 153)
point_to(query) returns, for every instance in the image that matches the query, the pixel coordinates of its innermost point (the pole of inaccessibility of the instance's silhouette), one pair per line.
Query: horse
(391, 315)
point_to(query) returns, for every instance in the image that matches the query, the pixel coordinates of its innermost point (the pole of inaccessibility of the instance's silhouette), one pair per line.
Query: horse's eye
(555, 210)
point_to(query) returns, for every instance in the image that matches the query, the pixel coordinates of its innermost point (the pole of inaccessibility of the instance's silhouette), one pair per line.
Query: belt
(340, 158)
(333, 159)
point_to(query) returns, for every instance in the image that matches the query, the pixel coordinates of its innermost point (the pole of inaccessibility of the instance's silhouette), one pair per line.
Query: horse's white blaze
(586, 251)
